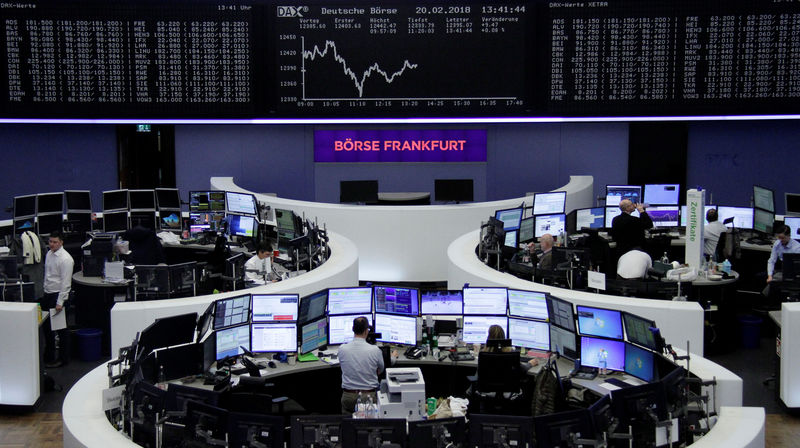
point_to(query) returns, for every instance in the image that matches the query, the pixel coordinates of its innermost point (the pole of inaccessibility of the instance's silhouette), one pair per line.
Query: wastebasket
(751, 331)
(89, 342)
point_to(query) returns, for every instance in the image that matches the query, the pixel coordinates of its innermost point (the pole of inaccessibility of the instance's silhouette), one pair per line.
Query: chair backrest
(498, 372)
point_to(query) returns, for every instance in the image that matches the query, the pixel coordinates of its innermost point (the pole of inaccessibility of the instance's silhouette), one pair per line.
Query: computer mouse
(271, 364)
(320, 354)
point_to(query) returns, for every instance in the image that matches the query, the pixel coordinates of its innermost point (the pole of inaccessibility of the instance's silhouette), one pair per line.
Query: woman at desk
(497, 334)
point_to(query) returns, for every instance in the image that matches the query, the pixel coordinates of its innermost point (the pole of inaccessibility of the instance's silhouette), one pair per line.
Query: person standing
(628, 230)
(361, 363)
(58, 264)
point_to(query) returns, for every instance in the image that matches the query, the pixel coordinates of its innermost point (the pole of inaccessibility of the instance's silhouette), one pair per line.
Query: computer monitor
(168, 198)
(613, 212)
(315, 430)
(510, 218)
(340, 327)
(561, 313)
(453, 190)
(231, 340)
(793, 222)
(476, 328)
(245, 429)
(205, 222)
(563, 342)
(531, 304)
(356, 300)
(662, 194)
(285, 219)
(549, 203)
(170, 220)
(487, 430)
(553, 430)
(742, 216)
(115, 200)
(115, 221)
(207, 201)
(313, 335)
(639, 362)
(639, 403)
(596, 350)
(552, 224)
(79, 222)
(232, 311)
(396, 329)
(50, 203)
(243, 203)
(510, 239)
(78, 200)
(49, 223)
(142, 199)
(763, 198)
(365, 432)
(490, 300)
(590, 218)
(396, 300)
(638, 330)
(143, 219)
(358, 191)
(204, 321)
(529, 333)
(527, 231)
(599, 322)
(440, 432)
(449, 302)
(616, 193)
(244, 226)
(178, 395)
(792, 203)
(273, 337)
(664, 215)
(763, 220)
(791, 267)
(234, 267)
(24, 206)
(275, 307)
(312, 306)
(685, 214)
(168, 332)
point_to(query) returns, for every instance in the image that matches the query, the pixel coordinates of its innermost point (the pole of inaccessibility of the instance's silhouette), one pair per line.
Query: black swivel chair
(497, 387)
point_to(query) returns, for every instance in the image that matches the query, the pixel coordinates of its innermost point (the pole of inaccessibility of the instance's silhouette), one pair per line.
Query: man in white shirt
(634, 264)
(259, 266)
(361, 364)
(58, 266)
(712, 232)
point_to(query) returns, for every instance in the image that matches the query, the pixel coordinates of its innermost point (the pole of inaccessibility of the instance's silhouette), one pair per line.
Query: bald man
(546, 258)
(628, 230)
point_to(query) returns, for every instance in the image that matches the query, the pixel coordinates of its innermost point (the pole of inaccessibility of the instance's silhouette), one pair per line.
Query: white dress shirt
(711, 234)
(360, 363)
(261, 266)
(634, 264)
(58, 274)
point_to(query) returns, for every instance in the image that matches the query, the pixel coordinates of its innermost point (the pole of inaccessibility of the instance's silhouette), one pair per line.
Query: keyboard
(461, 356)
(618, 382)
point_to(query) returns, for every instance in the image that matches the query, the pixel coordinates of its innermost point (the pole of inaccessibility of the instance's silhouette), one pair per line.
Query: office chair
(496, 389)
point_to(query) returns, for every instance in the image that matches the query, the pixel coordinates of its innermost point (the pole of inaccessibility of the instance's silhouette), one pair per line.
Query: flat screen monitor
(115, 200)
(510, 217)
(244, 203)
(24, 224)
(396, 329)
(529, 333)
(552, 224)
(549, 203)
(205, 222)
(49, 203)
(358, 191)
(170, 220)
(639, 362)
(241, 225)
(453, 190)
(596, 350)
(366, 432)
(527, 230)
(793, 222)
(561, 313)
(792, 204)
(440, 432)
(313, 335)
(742, 216)
(142, 199)
(685, 214)
(350, 300)
(664, 215)
(662, 194)
(78, 200)
(613, 212)
(563, 342)
(637, 330)
(275, 307)
(49, 223)
(527, 304)
(763, 220)
(616, 193)
(763, 198)
(449, 302)
(273, 337)
(313, 306)
(115, 221)
(231, 340)
(599, 322)
(79, 221)
(476, 328)
(485, 300)
(552, 430)
(340, 328)
(144, 219)
(24, 206)
(590, 218)
(513, 431)
(207, 201)
(396, 300)
(232, 311)
(168, 198)
(510, 239)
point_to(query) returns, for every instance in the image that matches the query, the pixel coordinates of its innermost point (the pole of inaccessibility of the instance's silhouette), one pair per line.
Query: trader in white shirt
(712, 232)
(58, 266)
(259, 266)
(634, 264)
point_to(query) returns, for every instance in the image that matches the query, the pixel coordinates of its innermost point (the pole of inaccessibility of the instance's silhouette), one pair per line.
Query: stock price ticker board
(263, 59)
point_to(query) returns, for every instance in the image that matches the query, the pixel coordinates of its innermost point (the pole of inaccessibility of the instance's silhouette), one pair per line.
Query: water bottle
(372, 411)
(726, 266)
(162, 378)
(665, 258)
(359, 406)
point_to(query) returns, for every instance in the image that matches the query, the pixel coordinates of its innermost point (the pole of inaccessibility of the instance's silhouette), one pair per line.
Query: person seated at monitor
(711, 233)
(496, 333)
(628, 230)
(546, 243)
(145, 247)
(361, 364)
(259, 266)
(784, 244)
(634, 264)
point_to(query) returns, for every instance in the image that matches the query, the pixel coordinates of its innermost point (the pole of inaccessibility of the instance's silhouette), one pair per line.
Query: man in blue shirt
(361, 364)
(783, 245)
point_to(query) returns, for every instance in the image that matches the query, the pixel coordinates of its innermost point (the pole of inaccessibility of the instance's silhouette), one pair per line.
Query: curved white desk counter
(407, 243)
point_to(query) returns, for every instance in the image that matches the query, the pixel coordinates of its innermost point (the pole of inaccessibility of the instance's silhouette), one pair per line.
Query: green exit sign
(142, 128)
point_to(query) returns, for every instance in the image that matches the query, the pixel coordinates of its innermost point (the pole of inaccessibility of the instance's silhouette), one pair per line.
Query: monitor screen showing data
(529, 333)
(685, 214)
(561, 313)
(485, 300)
(350, 300)
(340, 328)
(396, 329)
(616, 193)
(549, 203)
(638, 330)
(599, 322)
(662, 194)
(563, 342)
(244, 226)
(313, 306)
(763, 220)
(596, 350)
(793, 222)
(244, 203)
(273, 338)
(396, 300)
(527, 232)
(275, 307)
(527, 304)
(313, 335)
(552, 224)
(231, 340)
(590, 218)
(742, 216)
(664, 215)
(207, 201)
(639, 362)
(232, 311)
(510, 218)
(511, 239)
(443, 302)
(476, 328)
(763, 198)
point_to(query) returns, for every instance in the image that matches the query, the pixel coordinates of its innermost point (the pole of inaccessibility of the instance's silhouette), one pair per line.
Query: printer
(402, 394)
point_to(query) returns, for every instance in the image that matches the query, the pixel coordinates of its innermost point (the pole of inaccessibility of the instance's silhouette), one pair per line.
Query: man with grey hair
(546, 258)
(628, 230)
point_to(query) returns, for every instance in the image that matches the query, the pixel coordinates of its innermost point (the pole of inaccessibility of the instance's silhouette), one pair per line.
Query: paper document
(58, 321)
(114, 271)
